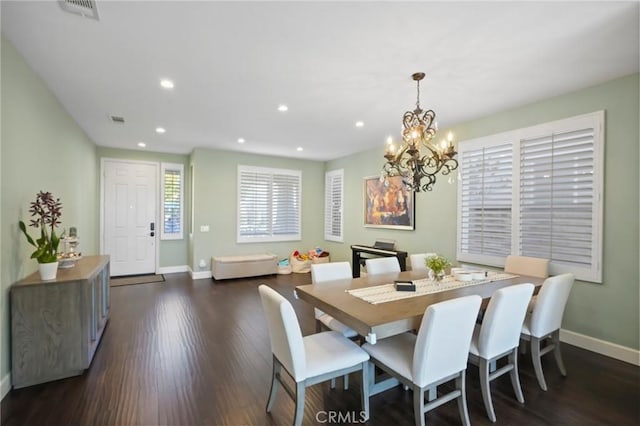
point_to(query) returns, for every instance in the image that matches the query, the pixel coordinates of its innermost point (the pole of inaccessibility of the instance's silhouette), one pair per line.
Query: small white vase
(48, 271)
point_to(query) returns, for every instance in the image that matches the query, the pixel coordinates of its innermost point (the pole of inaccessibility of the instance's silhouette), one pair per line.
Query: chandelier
(418, 160)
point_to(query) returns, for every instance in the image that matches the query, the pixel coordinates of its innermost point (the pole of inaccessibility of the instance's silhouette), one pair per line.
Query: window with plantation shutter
(269, 204)
(547, 203)
(333, 200)
(172, 201)
(485, 202)
(557, 198)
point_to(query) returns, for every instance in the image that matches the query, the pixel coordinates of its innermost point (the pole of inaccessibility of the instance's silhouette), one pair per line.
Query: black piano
(381, 248)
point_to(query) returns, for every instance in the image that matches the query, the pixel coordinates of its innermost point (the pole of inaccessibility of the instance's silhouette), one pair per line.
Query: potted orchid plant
(46, 211)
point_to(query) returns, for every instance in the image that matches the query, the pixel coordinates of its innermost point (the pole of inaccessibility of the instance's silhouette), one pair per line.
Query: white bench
(251, 265)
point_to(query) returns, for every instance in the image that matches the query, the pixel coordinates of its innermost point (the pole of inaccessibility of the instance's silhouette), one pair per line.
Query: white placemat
(387, 292)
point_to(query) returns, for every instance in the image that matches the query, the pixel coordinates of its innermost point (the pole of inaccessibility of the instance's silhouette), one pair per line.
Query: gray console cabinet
(56, 325)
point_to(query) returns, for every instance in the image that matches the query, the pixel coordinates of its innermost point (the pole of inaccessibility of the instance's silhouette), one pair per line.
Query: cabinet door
(93, 309)
(104, 284)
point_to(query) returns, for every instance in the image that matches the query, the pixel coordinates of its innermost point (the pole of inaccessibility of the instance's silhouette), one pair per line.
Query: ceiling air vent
(117, 119)
(85, 8)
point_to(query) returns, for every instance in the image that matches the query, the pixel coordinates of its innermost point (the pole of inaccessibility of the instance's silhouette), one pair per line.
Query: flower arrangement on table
(47, 211)
(437, 264)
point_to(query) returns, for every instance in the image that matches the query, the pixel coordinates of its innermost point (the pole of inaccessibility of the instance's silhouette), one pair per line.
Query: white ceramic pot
(48, 271)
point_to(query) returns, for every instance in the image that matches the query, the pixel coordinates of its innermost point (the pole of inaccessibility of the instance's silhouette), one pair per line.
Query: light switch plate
(204, 228)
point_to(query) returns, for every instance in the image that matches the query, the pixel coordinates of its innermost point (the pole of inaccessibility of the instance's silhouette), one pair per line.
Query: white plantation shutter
(172, 210)
(269, 204)
(485, 201)
(557, 197)
(285, 204)
(547, 203)
(333, 201)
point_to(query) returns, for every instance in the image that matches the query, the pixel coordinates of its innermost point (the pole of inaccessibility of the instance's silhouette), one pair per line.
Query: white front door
(129, 216)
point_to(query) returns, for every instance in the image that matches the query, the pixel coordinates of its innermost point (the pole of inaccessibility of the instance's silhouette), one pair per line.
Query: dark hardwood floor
(188, 352)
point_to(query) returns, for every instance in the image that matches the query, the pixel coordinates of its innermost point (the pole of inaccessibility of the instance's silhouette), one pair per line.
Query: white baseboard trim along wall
(199, 275)
(173, 269)
(602, 347)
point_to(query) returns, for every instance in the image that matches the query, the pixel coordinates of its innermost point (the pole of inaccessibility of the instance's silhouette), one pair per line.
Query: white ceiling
(333, 64)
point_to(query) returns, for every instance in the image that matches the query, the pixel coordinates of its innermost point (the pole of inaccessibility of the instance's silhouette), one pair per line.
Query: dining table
(377, 318)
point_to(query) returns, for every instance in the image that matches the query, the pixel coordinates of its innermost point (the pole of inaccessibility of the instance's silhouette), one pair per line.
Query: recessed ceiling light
(241, 140)
(359, 123)
(299, 148)
(283, 108)
(160, 130)
(166, 83)
(142, 144)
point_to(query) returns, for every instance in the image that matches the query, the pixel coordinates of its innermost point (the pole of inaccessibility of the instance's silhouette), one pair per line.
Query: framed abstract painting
(388, 203)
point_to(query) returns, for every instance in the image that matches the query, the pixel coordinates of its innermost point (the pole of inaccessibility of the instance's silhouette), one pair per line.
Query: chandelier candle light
(419, 128)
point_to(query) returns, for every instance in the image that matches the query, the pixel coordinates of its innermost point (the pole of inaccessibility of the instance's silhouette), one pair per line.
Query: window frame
(297, 236)
(328, 210)
(164, 167)
(596, 120)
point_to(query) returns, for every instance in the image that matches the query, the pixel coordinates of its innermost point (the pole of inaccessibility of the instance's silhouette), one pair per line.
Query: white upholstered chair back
(502, 321)
(418, 261)
(321, 272)
(382, 265)
(443, 341)
(523, 265)
(549, 309)
(284, 332)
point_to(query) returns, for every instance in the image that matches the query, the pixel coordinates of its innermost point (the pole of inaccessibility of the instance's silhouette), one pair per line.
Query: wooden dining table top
(377, 321)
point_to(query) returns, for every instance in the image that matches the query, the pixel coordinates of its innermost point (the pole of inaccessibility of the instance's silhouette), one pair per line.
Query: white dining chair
(499, 336)
(545, 321)
(382, 265)
(530, 266)
(310, 359)
(418, 261)
(438, 354)
(323, 272)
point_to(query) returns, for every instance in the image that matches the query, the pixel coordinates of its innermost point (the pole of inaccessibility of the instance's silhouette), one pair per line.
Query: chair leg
(318, 326)
(485, 387)
(515, 376)
(555, 337)
(418, 405)
(364, 392)
(345, 382)
(372, 375)
(537, 362)
(462, 399)
(523, 346)
(300, 390)
(274, 384)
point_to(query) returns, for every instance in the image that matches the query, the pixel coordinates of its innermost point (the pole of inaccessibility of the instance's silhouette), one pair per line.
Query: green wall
(42, 149)
(172, 252)
(607, 311)
(215, 194)
(433, 213)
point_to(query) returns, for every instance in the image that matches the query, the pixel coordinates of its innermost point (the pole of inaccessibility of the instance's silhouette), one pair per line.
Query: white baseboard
(173, 269)
(612, 350)
(199, 275)
(5, 385)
